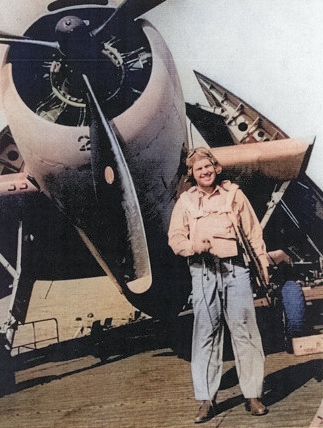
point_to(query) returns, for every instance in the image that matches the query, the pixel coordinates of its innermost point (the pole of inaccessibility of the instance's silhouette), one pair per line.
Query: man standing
(203, 227)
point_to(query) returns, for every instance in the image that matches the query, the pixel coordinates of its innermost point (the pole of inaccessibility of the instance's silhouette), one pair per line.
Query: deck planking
(154, 389)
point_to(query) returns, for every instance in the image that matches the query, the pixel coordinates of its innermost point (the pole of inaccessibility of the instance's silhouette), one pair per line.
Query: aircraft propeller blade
(110, 168)
(132, 8)
(7, 39)
(97, 30)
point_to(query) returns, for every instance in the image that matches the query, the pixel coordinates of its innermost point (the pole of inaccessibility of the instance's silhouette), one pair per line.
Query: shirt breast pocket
(222, 226)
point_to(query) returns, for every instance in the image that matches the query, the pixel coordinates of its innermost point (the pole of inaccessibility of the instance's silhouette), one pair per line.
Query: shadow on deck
(108, 344)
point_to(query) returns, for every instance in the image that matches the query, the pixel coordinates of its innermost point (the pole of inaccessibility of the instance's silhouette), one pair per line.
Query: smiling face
(204, 174)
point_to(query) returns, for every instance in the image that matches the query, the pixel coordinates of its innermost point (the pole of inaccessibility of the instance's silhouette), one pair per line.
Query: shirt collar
(196, 189)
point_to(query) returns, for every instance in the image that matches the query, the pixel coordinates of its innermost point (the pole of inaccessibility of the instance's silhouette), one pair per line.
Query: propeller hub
(69, 24)
(117, 61)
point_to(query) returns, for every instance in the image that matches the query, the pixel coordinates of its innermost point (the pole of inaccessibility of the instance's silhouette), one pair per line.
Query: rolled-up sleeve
(179, 231)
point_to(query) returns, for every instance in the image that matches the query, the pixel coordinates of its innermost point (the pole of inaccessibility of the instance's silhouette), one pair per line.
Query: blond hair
(197, 154)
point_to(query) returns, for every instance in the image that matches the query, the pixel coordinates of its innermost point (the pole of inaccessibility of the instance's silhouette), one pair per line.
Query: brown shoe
(206, 412)
(255, 406)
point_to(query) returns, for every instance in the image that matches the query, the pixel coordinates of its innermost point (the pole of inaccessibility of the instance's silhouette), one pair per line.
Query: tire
(294, 307)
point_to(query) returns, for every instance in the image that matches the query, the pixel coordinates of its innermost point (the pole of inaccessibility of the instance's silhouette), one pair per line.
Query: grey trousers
(220, 290)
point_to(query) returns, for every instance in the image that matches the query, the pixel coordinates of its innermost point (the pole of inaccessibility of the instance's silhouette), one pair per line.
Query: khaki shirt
(198, 216)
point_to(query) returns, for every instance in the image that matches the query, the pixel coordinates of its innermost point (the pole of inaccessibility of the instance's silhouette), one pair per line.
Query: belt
(210, 259)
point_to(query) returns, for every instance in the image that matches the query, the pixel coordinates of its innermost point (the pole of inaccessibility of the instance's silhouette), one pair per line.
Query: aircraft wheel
(294, 307)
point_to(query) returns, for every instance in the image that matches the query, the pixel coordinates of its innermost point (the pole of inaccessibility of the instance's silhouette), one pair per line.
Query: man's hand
(278, 256)
(203, 247)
